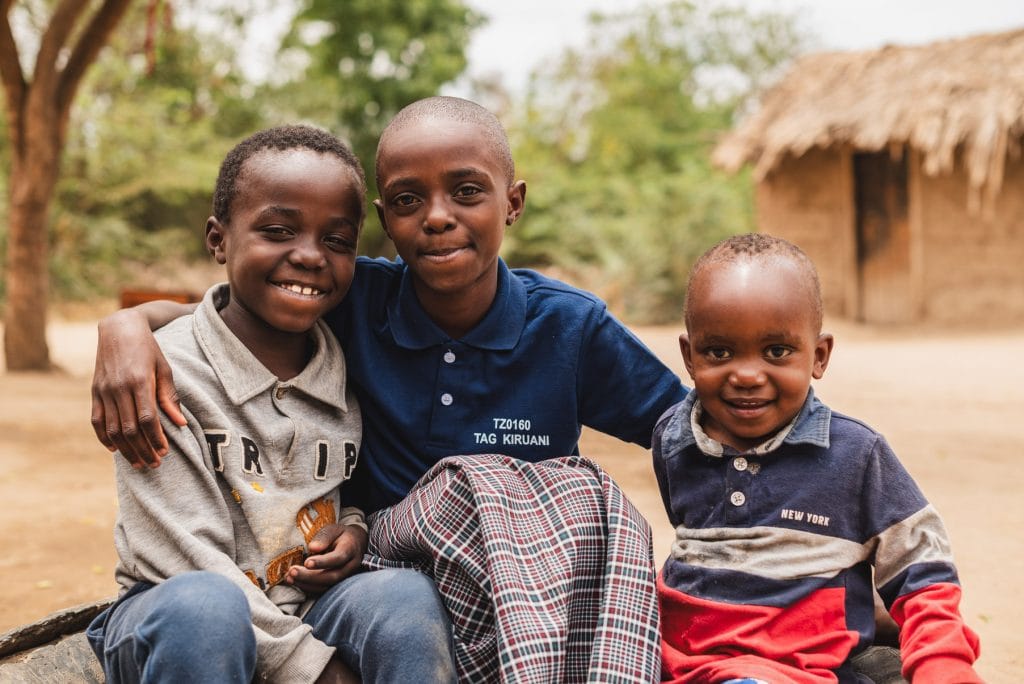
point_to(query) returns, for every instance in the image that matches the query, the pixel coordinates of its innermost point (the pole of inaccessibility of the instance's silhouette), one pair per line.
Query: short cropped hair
(279, 138)
(761, 247)
(462, 111)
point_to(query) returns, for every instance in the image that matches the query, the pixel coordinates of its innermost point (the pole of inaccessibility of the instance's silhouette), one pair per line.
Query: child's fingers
(326, 538)
(313, 581)
(335, 553)
(309, 581)
(167, 397)
(336, 557)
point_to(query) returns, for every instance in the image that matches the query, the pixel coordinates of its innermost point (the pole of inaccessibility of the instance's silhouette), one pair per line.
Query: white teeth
(299, 289)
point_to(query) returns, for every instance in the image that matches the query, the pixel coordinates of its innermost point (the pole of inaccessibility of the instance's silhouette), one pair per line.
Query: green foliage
(156, 117)
(95, 258)
(379, 55)
(615, 144)
(366, 60)
(142, 156)
(614, 140)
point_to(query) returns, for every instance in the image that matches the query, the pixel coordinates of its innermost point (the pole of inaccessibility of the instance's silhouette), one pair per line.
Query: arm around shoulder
(132, 381)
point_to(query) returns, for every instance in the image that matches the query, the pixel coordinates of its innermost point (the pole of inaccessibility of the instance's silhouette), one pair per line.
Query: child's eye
(276, 232)
(340, 243)
(403, 200)
(467, 191)
(777, 351)
(718, 353)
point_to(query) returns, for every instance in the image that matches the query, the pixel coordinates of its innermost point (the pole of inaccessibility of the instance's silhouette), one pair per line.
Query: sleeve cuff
(350, 515)
(944, 670)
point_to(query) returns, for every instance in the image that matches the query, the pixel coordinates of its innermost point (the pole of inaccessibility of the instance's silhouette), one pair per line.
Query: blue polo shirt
(546, 359)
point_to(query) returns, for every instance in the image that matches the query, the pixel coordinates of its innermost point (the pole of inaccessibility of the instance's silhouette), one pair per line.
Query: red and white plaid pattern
(546, 568)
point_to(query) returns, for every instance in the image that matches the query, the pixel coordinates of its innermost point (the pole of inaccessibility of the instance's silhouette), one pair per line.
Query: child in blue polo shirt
(785, 511)
(451, 352)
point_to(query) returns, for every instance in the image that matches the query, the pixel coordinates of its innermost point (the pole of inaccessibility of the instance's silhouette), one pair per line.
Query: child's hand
(336, 552)
(131, 383)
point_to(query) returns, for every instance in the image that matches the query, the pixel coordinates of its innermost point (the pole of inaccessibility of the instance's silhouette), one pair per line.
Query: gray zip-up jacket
(247, 483)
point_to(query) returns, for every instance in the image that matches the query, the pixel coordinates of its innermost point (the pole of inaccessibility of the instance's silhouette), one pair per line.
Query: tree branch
(12, 76)
(87, 48)
(54, 38)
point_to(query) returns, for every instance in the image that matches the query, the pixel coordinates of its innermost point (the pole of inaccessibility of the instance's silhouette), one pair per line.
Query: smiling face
(752, 347)
(290, 244)
(445, 202)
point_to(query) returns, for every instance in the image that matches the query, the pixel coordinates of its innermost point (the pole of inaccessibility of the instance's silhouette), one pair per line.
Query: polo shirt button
(281, 391)
(739, 463)
(446, 399)
(737, 498)
(449, 356)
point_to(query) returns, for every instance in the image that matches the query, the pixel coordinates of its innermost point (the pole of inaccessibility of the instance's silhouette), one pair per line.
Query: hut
(899, 171)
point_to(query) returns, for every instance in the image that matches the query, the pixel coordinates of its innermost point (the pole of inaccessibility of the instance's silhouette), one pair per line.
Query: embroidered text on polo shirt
(512, 432)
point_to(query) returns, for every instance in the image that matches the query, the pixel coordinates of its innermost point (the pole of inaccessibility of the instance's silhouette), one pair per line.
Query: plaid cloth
(546, 568)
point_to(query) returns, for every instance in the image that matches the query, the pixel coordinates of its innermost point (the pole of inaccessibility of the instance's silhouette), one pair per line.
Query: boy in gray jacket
(250, 487)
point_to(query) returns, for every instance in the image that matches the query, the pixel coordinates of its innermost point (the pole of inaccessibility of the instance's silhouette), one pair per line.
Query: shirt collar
(809, 426)
(243, 377)
(500, 329)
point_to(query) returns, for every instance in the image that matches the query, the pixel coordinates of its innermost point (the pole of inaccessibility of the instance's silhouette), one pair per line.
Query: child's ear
(822, 353)
(687, 351)
(379, 206)
(516, 201)
(215, 235)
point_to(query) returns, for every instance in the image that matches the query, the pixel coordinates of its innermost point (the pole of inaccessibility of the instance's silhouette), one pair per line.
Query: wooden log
(52, 650)
(68, 660)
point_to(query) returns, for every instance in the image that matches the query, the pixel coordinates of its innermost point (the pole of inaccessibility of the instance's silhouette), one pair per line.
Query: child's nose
(747, 375)
(439, 216)
(308, 254)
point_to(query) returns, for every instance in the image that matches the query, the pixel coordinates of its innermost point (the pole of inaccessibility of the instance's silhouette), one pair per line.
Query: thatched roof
(962, 95)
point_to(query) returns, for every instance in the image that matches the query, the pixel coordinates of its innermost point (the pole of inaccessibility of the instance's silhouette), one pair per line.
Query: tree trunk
(34, 172)
(27, 278)
(37, 119)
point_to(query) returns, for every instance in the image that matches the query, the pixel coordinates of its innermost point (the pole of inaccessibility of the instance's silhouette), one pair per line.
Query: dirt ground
(951, 404)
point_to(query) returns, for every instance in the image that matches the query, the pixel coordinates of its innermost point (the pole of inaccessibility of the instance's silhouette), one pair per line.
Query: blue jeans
(387, 625)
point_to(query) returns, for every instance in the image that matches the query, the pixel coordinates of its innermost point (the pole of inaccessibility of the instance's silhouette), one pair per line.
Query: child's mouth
(298, 289)
(747, 407)
(442, 254)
